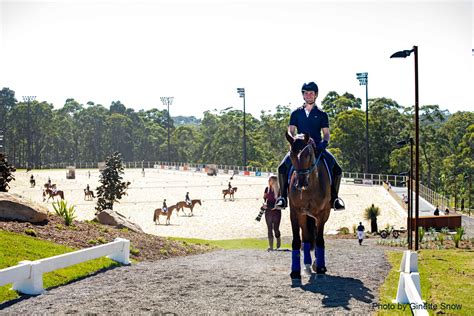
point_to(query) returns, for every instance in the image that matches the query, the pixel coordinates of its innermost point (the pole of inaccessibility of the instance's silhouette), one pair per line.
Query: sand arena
(215, 218)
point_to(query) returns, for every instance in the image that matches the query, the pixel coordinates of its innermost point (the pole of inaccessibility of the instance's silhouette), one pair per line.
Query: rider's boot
(282, 201)
(336, 202)
(278, 243)
(270, 244)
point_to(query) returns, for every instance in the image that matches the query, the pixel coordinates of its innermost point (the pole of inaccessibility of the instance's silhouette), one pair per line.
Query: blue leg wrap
(306, 252)
(295, 260)
(320, 262)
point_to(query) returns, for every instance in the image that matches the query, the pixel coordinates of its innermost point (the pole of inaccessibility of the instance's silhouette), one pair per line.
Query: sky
(200, 52)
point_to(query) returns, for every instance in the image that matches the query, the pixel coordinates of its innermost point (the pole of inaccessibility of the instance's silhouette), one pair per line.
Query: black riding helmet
(310, 86)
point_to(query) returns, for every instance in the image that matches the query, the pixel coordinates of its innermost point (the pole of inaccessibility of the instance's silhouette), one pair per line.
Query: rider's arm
(292, 130)
(326, 135)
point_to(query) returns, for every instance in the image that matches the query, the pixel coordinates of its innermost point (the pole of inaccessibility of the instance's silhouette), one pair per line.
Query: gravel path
(230, 281)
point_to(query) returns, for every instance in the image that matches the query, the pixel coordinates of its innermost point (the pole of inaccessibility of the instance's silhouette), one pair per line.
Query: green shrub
(134, 251)
(92, 242)
(59, 227)
(343, 230)
(30, 232)
(67, 213)
(354, 228)
(441, 238)
(101, 240)
(445, 230)
(458, 236)
(421, 233)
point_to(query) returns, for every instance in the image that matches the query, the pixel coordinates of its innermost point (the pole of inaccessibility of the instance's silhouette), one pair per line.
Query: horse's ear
(289, 138)
(306, 138)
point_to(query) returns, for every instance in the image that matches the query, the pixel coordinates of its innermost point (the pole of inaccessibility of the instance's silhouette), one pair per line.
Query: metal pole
(410, 203)
(417, 150)
(245, 140)
(367, 125)
(169, 155)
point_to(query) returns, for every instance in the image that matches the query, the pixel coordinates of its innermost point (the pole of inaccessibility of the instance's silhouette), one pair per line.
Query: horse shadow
(337, 291)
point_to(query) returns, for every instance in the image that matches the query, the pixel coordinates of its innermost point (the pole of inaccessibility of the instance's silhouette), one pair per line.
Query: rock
(112, 218)
(15, 207)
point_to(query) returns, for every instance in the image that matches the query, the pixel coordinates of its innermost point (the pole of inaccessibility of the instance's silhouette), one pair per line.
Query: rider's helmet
(310, 86)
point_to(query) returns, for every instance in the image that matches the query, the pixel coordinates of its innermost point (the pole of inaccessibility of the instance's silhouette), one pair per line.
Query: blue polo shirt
(311, 124)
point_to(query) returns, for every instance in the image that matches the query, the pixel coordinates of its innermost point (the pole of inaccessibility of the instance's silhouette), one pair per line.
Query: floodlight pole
(363, 78)
(28, 99)
(168, 101)
(241, 92)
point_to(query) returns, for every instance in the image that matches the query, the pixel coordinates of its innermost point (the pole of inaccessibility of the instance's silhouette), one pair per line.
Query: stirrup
(338, 204)
(281, 203)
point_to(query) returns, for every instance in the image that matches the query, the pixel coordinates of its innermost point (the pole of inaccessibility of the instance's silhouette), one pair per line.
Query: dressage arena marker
(27, 276)
(409, 288)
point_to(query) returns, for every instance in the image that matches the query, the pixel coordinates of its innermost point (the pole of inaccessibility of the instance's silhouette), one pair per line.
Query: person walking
(272, 215)
(360, 233)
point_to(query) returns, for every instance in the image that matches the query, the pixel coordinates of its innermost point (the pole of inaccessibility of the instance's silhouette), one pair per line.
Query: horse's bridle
(302, 172)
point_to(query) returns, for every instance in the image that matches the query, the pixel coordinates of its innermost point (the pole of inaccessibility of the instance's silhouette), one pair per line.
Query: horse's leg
(295, 247)
(304, 220)
(319, 249)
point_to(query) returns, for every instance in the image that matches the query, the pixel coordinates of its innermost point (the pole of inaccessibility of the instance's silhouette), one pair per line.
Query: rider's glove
(321, 146)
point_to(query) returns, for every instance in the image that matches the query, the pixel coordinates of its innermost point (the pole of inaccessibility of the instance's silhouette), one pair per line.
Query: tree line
(90, 132)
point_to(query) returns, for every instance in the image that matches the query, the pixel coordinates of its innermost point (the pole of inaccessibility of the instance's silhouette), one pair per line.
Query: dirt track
(233, 281)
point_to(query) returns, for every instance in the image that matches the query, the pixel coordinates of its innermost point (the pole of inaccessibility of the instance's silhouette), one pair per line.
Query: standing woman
(272, 215)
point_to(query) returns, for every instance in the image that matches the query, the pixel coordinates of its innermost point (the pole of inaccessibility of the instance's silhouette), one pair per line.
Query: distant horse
(159, 211)
(310, 204)
(88, 195)
(32, 183)
(52, 194)
(181, 205)
(229, 192)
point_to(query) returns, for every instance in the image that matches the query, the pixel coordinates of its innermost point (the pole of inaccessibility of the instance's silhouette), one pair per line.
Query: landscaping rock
(15, 207)
(112, 218)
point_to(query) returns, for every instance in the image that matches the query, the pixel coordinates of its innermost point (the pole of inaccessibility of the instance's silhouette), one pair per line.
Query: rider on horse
(230, 188)
(311, 120)
(187, 199)
(165, 207)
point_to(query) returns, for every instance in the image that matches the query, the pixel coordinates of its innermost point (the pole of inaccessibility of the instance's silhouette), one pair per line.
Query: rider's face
(310, 97)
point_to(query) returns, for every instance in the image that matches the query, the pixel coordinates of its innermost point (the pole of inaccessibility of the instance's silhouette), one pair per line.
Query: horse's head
(302, 157)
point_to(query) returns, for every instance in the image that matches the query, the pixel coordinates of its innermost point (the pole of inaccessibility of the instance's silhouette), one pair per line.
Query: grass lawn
(16, 248)
(248, 243)
(447, 282)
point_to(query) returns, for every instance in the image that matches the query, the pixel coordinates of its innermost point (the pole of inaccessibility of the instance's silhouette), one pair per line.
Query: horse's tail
(154, 216)
(61, 194)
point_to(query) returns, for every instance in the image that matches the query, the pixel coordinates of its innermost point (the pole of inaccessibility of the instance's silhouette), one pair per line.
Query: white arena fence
(27, 276)
(409, 286)
(349, 177)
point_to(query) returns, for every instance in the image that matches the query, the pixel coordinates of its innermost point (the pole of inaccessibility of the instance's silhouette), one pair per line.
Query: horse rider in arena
(165, 207)
(310, 120)
(187, 199)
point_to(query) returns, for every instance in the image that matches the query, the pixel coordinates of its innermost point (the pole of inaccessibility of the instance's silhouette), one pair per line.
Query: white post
(123, 256)
(34, 284)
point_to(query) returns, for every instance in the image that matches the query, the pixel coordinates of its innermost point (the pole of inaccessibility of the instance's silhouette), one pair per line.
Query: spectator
(436, 211)
(446, 211)
(360, 233)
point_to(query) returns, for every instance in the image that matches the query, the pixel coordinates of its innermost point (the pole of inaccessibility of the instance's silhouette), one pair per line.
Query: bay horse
(310, 204)
(88, 195)
(159, 211)
(52, 194)
(230, 193)
(182, 204)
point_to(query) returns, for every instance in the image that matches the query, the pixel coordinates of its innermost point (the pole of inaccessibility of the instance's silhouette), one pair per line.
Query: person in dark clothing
(436, 211)
(165, 207)
(360, 233)
(187, 199)
(272, 215)
(311, 120)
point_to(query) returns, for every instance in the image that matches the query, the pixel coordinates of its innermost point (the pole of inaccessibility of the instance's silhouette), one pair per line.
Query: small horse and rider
(163, 211)
(51, 191)
(88, 194)
(309, 177)
(187, 203)
(229, 191)
(32, 181)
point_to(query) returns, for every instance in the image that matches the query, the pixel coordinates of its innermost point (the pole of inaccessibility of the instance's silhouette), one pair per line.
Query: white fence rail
(27, 276)
(409, 286)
